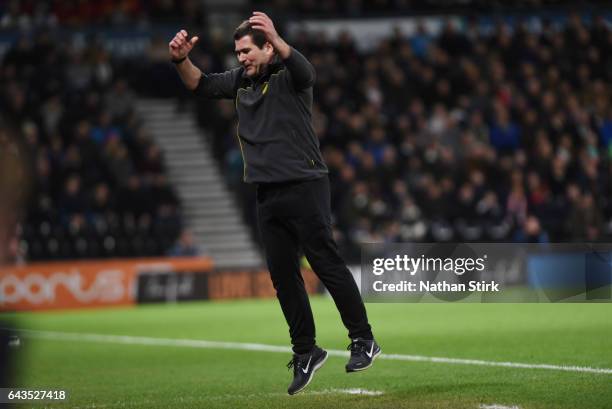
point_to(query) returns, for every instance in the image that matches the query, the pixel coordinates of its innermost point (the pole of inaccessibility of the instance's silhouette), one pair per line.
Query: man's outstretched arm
(302, 71)
(179, 49)
(221, 85)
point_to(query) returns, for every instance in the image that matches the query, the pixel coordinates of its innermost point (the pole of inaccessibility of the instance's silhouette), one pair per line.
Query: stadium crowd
(464, 136)
(26, 14)
(469, 135)
(99, 187)
(369, 8)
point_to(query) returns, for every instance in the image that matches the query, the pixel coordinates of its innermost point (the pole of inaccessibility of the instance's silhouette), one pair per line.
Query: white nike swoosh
(305, 370)
(369, 354)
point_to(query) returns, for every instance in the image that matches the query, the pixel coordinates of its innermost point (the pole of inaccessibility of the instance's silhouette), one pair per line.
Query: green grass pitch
(113, 375)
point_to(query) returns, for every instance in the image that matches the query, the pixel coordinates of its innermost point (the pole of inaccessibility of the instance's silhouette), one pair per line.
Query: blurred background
(440, 121)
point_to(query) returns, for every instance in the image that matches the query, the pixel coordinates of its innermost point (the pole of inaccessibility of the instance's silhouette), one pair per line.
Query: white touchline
(329, 391)
(197, 343)
(352, 391)
(496, 406)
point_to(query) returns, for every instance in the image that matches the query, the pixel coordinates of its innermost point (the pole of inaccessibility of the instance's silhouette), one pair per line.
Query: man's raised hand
(260, 21)
(181, 46)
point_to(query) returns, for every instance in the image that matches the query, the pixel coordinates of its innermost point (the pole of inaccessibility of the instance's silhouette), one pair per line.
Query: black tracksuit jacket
(275, 131)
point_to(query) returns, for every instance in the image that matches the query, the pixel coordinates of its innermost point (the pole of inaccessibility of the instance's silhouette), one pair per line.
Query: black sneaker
(304, 367)
(363, 353)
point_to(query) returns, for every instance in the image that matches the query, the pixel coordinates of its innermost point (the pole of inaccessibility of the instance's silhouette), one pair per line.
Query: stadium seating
(471, 135)
(99, 186)
(482, 132)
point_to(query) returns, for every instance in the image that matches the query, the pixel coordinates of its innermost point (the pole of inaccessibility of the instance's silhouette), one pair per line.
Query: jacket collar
(272, 67)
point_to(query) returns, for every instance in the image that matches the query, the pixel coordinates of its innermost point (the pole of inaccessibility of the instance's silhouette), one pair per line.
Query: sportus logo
(106, 286)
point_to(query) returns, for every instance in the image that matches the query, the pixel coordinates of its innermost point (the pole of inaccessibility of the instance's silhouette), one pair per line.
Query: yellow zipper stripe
(244, 164)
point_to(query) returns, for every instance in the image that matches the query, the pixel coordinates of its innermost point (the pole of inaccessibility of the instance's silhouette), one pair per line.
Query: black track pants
(297, 215)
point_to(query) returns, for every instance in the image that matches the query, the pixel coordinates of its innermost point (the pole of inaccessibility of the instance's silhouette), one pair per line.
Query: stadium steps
(209, 208)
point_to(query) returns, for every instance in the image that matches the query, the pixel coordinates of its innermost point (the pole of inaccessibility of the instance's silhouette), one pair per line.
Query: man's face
(251, 57)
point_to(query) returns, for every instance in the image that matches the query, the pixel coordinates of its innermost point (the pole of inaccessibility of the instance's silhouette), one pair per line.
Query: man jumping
(273, 91)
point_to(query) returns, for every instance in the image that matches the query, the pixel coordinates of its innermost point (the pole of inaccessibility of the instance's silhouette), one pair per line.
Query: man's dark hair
(245, 29)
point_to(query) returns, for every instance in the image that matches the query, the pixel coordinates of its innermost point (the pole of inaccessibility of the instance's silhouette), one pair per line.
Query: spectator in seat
(185, 246)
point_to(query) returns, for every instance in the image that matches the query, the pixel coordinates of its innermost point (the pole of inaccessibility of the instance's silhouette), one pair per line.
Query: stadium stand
(26, 14)
(99, 185)
(364, 8)
(471, 135)
(482, 132)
